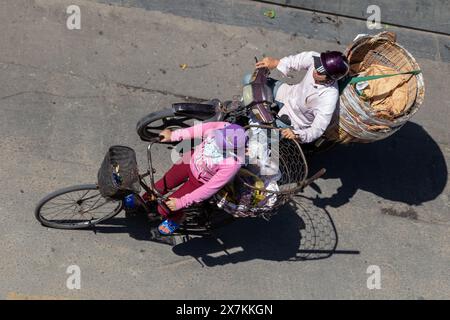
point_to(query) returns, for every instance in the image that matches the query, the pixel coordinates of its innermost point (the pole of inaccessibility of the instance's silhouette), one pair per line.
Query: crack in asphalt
(163, 92)
(50, 94)
(242, 45)
(126, 86)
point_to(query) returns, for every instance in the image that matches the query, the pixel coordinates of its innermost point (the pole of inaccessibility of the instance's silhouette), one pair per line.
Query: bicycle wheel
(76, 207)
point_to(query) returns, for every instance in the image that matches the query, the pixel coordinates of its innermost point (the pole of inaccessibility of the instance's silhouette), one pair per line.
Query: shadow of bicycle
(301, 231)
(297, 233)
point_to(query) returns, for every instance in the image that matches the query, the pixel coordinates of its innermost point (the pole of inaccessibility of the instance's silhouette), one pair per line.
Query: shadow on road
(408, 167)
(295, 234)
(137, 226)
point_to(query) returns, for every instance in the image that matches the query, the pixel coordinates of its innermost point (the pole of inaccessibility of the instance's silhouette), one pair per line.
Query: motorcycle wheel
(149, 127)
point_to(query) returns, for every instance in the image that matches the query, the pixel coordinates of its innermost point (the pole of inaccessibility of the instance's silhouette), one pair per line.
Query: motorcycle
(257, 101)
(257, 105)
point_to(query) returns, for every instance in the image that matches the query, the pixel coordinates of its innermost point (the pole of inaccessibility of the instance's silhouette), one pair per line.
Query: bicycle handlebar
(163, 205)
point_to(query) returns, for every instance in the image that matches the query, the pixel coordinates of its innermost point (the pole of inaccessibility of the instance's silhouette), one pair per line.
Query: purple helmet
(231, 137)
(335, 64)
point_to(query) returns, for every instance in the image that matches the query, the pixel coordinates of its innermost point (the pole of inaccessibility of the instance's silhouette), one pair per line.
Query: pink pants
(180, 173)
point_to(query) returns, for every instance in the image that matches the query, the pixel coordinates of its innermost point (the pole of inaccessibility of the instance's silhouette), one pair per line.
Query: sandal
(168, 227)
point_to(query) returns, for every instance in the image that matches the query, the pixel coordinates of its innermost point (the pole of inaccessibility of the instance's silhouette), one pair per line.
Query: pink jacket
(214, 175)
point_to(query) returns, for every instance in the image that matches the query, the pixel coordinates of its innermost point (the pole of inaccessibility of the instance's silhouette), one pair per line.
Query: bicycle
(83, 206)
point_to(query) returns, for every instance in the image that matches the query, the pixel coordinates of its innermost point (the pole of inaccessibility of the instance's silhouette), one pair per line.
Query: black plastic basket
(118, 175)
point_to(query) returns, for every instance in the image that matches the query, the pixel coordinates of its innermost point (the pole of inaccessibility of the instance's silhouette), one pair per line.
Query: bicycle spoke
(85, 194)
(77, 196)
(60, 201)
(57, 206)
(60, 210)
(95, 208)
(69, 197)
(56, 213)
(63, 208)
(74, 214)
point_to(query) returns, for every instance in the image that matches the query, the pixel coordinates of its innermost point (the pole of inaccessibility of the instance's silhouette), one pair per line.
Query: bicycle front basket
(118, 175)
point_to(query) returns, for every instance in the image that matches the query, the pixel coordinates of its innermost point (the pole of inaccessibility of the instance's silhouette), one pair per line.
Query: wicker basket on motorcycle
(251, 194)
(358, 118)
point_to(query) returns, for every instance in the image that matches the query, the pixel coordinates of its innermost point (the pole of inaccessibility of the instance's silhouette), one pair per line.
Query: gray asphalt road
(66, 95)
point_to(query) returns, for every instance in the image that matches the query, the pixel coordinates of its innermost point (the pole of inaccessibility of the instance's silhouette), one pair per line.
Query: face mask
(211, 150)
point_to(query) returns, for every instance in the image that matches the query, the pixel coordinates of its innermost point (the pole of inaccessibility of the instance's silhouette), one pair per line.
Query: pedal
(158, 237)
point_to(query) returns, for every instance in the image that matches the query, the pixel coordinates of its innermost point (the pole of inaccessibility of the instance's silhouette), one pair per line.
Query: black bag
(119, 176)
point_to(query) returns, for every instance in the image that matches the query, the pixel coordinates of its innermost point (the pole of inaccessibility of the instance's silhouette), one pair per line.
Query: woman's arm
(197, 131)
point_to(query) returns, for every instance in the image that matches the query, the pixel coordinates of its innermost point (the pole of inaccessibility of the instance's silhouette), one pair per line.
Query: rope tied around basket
(354, 80)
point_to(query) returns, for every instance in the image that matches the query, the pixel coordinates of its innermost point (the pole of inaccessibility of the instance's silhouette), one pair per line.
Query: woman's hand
(166, 135)
(268, 62)
(172, 204)
(288, 134)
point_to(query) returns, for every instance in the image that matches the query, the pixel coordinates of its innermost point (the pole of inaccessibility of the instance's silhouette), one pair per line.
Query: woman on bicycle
(201, 172)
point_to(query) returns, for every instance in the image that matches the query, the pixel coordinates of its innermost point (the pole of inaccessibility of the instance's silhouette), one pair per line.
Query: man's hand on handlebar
(288, 134)
(268, 62)
(165, 135)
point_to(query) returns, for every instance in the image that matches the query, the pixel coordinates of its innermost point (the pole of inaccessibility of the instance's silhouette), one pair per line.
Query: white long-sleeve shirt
(310, 106)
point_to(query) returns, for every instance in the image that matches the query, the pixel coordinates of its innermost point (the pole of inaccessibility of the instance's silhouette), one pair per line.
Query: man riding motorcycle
(307, 107)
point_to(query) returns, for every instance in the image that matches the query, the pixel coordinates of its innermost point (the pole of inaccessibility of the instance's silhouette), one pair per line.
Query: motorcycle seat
(199, 111)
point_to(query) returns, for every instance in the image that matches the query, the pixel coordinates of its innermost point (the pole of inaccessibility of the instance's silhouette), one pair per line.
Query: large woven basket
(354, 120)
